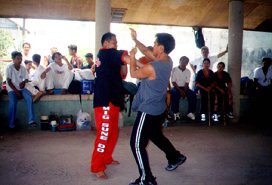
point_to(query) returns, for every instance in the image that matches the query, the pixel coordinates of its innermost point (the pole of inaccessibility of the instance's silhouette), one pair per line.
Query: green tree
(6, 41)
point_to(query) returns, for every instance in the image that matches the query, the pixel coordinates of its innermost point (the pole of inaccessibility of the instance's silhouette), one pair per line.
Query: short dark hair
(73, 47)
(36, 58)
(28, 61)
(107, 37)
(15, 53)
(54, 55)
(206, 59)
(267, 59)
(221, 63)
(89, 55)
(184, 58)
(167, 40)
(26, 43)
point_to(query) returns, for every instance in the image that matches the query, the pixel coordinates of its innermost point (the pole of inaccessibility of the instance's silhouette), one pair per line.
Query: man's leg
(204, 102)
(104, 126)
(175, 94)
(68, 77)
(138, 142)
(31, 88)
(113, 135)
(30, 107)
(157, 137)
(191, 96)
(13, 99)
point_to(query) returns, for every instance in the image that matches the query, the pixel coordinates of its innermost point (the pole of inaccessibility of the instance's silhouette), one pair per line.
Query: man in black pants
(151, 105)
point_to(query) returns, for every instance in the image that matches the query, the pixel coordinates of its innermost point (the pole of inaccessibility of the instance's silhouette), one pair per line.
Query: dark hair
(54, 55)
(184, 58)
(206, 59)
(26, 43)
(36, 58)
(167, 41)
(15, 53)
(267, 59)
(28, 61)
(107, 37)
(73, 47)
(89, 55)
(221, 63)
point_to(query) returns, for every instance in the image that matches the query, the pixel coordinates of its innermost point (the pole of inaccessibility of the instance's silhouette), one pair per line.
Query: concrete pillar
(102, 21)
(235, 43)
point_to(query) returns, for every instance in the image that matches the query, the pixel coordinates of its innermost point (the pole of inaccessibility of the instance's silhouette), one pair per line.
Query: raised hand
(133, 52)
(133, 34)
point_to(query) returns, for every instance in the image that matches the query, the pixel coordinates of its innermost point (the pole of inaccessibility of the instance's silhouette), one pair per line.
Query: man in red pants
(110, 69)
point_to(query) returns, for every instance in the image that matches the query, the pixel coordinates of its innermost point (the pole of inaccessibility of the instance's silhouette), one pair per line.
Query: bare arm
(222, 53)
(147, 71)
(70, 67)
(147, 52)
(124, 71)
(193, 68)
(127, 60)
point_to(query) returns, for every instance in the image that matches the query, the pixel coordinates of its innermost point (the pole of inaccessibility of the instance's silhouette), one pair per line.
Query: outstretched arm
(147, 52)
(223, 53)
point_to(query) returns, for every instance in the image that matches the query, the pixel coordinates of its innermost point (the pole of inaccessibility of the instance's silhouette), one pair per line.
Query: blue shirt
(151, 95)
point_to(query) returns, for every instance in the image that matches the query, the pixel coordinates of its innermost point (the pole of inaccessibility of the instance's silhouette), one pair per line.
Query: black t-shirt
(222, 79)
(203, 80)
(108, 78)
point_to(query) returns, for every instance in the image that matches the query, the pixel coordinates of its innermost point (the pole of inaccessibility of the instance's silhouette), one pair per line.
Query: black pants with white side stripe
(148, 127)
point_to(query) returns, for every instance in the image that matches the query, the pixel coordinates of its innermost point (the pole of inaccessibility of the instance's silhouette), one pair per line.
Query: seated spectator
(263, 86)
(263, 76)
(76, 61)
(89, 59)
(30, 85)
(223, 89)
(48, 59)
(59, 75)
(28, 66)
(205, 80)
(17, 77)
(180, 79)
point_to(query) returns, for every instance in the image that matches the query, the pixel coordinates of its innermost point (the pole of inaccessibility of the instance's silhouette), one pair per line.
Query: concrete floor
(234, 155)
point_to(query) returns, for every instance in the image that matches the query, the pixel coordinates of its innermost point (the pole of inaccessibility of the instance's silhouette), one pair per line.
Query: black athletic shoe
(172, 167)
(146, 182)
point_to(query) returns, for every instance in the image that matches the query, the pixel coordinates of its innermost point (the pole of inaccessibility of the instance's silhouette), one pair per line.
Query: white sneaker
(191, 116)
(203, 117)
(230, 115)
(176, 116)
(215, 117)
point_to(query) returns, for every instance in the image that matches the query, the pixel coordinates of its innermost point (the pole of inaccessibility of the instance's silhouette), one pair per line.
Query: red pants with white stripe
(106, 119)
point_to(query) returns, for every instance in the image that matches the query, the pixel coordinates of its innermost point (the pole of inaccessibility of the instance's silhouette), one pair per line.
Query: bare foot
(101, 175)
(115, 162)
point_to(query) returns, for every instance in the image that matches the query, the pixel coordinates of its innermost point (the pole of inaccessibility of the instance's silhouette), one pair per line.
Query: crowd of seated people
(35, 79)
(27, 78)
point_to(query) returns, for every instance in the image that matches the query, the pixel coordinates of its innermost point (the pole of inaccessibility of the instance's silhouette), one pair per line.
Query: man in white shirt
(17, 77)
(59, 75)
(262, 75)
(180, 80)
(26, 51)
(263, 87)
